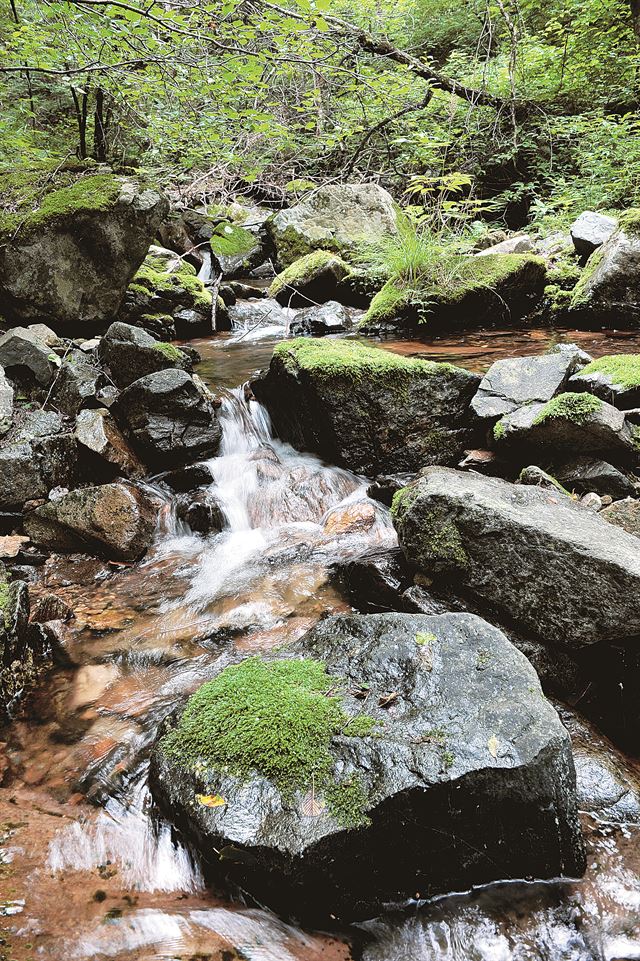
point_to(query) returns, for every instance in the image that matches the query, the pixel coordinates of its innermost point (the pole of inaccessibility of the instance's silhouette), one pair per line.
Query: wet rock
(330, 318)
(35, 456)
(584, 474)
(590, 231)
(609, 288)
(312, 280)
(532, 554)
(520, 244)
(418, 600)
(513, 382)
(22, 349)
(170, 418)
(335, 217)
(625, 514)
(97, 431)
(131, 353)
(21, 477)
(48, 275)
(468, 779)
(243, 291)
(257, 313)
(384, 486)
(375, 581)
(50, 607)
(77, 384)
(325, 395)
(188, 478)
(569, 424)
(351, 518)
(201, 512)
(24, 652)
(614, 378)
(536, 477)
(191, 323)
(114, 520)
(6, 403)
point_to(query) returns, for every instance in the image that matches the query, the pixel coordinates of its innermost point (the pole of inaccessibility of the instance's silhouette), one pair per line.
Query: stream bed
(86, 868)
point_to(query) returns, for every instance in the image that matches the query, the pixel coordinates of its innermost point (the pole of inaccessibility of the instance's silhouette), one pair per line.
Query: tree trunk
(99, 129)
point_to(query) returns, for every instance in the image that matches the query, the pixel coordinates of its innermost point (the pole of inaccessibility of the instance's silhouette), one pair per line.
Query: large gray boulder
(74, 246)
(513, 382)
(365, 408)
(131, 353)
(449, 769)
(334, 217)
(559, 571)
(169, 417)
(114, 520)
(590, 231)
(609, 289)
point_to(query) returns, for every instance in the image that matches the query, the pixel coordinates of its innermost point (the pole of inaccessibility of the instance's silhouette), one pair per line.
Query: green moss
(577, 408)
(402, 500)
(442, 547)
(580, 296)
(347, 802)
(362, 725)
(303, 269)
(556, 299)
(292, 245)
(152, 279)
(499, 431)
(425, 637)
(630, 221)
(160, 319)
(549, 478)
(230, 240)
(623, 370)
(169, 350)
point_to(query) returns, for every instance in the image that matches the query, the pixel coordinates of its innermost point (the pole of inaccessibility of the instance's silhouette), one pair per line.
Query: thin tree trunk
(99, 129)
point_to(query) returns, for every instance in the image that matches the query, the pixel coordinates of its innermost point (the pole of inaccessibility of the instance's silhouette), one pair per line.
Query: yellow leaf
(492, 744)
(211, 800)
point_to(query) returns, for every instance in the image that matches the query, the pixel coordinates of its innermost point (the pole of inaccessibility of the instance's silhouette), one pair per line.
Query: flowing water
(86, 872)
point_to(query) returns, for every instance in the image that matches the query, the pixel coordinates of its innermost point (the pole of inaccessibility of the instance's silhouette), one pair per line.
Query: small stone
(592, 501)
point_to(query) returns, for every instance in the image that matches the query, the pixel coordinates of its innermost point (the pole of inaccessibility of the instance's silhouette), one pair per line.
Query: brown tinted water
(85, 872)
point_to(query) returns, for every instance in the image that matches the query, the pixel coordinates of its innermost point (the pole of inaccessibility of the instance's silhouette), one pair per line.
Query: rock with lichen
(609, 288)
(381, 755)
(70, 243)
(365, 408)
(614, 378)
(311, 280)
(514, 381)
(130, 353)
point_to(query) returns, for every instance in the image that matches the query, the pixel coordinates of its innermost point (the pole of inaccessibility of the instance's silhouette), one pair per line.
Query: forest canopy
(505, 110)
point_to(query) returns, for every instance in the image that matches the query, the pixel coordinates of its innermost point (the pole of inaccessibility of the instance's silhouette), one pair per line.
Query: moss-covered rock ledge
(363, 764)
(70, 241)
(365, 408)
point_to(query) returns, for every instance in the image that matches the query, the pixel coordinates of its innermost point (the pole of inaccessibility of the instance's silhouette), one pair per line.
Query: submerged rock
(115, 520)
(365, 408)
(438, 765)
(312, 280)
(131, 353)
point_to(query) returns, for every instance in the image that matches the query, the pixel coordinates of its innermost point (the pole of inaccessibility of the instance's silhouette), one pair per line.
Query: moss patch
(347, 802)
(623, 370)
(303, 269)
(230, 240)
(630, 221)
(577, 408)
(169, 351)
(153, 279)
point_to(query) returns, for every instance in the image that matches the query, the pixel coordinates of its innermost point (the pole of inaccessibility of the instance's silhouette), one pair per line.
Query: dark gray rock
(513, 382)
(623, 396)
(384, 486)
(77, 384)
(310, 281)
(532, 554)
(590, 231)
(365, 408)
(468, 779)
(35, 456)
(201, 512)
(169, 417)
(24, 652)
(375, 581)
(586, 474)
(191, 323)
(257, 313)
(329, 318)
(22, 349)
(188, 478)
(609, 289)
(625, 514)
(131, 353)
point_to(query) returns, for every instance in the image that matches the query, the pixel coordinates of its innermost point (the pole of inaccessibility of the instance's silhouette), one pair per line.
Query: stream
(87, 870)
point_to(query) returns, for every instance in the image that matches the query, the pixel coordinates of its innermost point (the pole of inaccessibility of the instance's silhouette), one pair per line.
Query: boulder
(330, 318)
(590, 231)
(189, 478)
(435, 764)
(131, 353)
(609, 289)
(335, 217)
(22, 349)
(569, 424)
(201, 512)
(169, 417)
(6, 403)
(77, 383)
(114, 520)
(257, 314)
(97, 431)
(236, 249)
(513, 382)
(625, 514)
(162, 288)
(311, 280)
(36, 455)
(77, 238)
(535, 555)
(520, 244)
(584, 474)
(375, 580)
(365, 408)
(615, 378)
(23, 648)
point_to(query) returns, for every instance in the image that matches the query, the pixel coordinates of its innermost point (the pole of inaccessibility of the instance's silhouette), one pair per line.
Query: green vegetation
(304, 269)
(577, 408)
(231, 240)
(347, 802)
(499, 430)
(425, 637)
(623, 370)
(169, 350)
(181, 284)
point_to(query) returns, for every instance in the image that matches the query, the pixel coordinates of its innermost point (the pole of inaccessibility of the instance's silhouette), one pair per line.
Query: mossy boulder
(609, 289)
(313, 279)
(614, 378)
(161, 291)
(460, 291)
(70, 242)
(24, 651)
(366, 408)
(336, 217)
(381, 755)
(236, 250)
(130, 353)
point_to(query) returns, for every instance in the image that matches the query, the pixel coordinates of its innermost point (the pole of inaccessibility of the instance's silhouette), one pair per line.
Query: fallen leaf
(312, 806)
(492, 744)
(388, 699)
(211, 800)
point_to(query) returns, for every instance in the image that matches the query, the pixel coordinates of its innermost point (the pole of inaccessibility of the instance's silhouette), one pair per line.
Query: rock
(131, 353)
(21, 477)
(35, 455)
(520, 244)
(375, 580)
(191, 323)
(77, 384)
(313, 279)
(614, 378)
(6, 403)
(590, 231)
(325, 395)
(235, 249)
(536, 477)
(243, 291)
(97, 431)
(569, 424)
(625, 514)
(50, 607)
(609, 289)
(483, 461)
(468, 779)
(170, 418)
(77, 240)
(513, 382)
(335, 217)
(351, 518)
(188, 478)
(384, 486)
(586, 474)
(476, 292)
(532, 554)
(248, 314)
(21, 349)
(330, 318)
(163, 287)
(24, 652)
(201, 512)
(44, 334)
(115, 520)
(591, 502)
